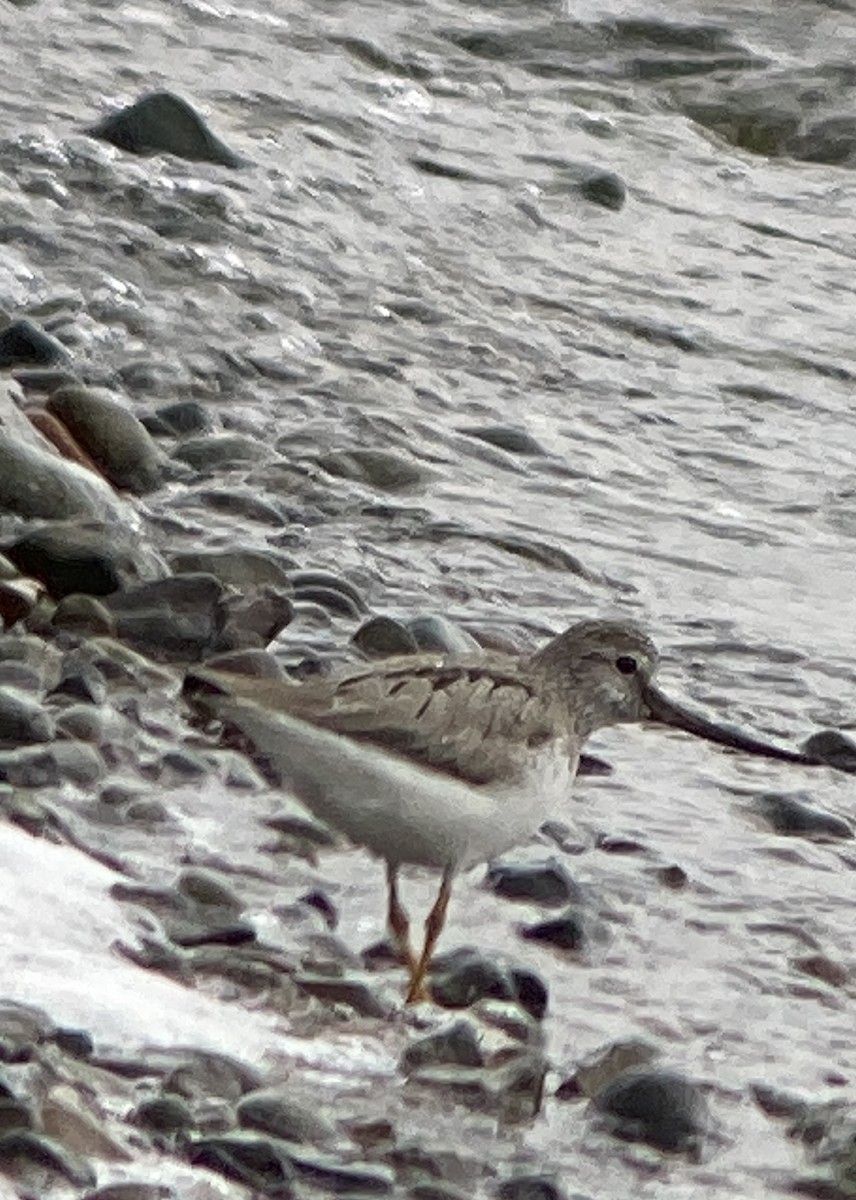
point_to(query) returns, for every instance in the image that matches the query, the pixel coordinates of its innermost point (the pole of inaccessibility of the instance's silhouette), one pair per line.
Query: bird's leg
(397, 920)
(433, 928)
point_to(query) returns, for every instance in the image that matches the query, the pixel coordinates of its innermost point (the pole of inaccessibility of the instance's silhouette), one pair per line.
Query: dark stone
(176, 618)
(788, 815)
(185, 417)
(437, 635)
(830, 746)
(332, 599)
(604, 188)
(26, 343)
(161, 122)
(273, 1111)
(219, 451)
(47, 766)
(506, 437)
(565, 932)
(83, 615)
(14, 1113)
(81, 680)
(464, 976)
(350, 989)
(380, 469)
(235, 933)
(384, 637)
(590, 764)
(262, 1163)
(22, 720)
(241, 569)
(457, 1044)
(253, 620)
(541, 882)
(207, 1074)
(321, 903)
(37, 483)
(355, 1179)
(164, 1114)
(22, 1027)
(24, 1146)
(76, 1042)
(659, 1107)
(309, 583)
(113, 437)
(244, 505)
(528, 1187)
(68, 558)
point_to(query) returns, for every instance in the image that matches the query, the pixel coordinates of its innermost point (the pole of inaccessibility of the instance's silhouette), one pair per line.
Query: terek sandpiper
(449, 761)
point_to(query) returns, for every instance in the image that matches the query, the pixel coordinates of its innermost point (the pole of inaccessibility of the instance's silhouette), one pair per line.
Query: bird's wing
(472, 719)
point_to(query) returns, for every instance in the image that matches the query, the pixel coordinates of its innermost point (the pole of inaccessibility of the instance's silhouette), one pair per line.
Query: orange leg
(397, 920)
(433, 928)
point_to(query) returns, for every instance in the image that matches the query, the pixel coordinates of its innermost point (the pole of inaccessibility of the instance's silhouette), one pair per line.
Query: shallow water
(406, 258)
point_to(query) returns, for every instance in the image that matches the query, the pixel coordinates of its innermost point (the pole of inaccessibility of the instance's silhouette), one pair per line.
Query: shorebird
(448, 761)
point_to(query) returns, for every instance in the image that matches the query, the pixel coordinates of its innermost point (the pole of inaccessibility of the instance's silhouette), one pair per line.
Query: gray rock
(242, 504)
(463, 976)
(22, 1029)
(380, 469)
(24, 1146)
(605, 1064)
(81, 680)
(506, 437)
(218, 451)
(88, 557)
(788, 815)
(544, 881)
(241, 569)
(36, 482)
(457, 1044)
(384, 637)
(355, 990)
(25, 343)
(442, 636)
(327, 1173)
(659, 1107)
(261, 1163)
(62, 762)
(273, 1111)
(529, 1187)
(84, 615)
(255, 619)
(164, 1114)
(831, 746)
(251, 661)
(567, 931)
(185, 417)
(204, 1074)
(22, 719)
(111, 435)
(331, 590)
(161, 122)
(180, 617)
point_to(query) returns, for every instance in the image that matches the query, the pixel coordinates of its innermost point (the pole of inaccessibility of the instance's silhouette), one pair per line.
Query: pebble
(84, 615)
(275, 1112)
(110, 433)
(789, 815)
(354, 990)
(235, 568)
(22, 719)
(457, 1044)
(543, 881)
(506, 437)
(35, 482)
(438, 635)
(205, 1074)
(185, 417)
(529, 1187)
(161, 122)
(25, 343)
(566, 931)
(84, 557)
(659, 1107)
(384, 637)
(832, 747)
(217, 452)
(175, 618)
(23, 1147)
(379, 469)
(463, 976)
(259, 1162)
(605, 1064)
(74, 1126)
(62, 762)
(164, 1114)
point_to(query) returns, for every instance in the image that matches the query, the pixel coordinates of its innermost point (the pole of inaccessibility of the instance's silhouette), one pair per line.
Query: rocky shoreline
(99, 758)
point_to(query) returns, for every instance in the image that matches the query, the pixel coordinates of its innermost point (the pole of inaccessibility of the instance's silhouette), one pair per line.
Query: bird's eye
(627, 665)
